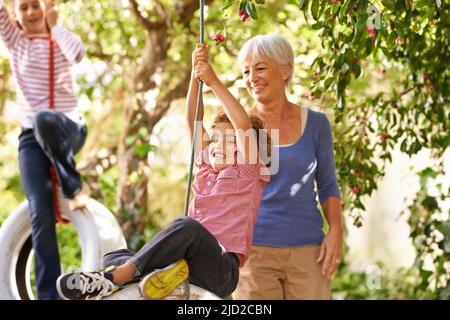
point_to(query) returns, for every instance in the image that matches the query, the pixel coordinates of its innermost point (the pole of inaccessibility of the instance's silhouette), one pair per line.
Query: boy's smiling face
(222, 149)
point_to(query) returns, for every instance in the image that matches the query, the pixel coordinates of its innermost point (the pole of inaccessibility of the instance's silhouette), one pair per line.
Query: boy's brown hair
(261, 134)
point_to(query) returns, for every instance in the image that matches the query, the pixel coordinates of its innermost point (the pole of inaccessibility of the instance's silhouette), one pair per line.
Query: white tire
(98, 233)
(132, 292)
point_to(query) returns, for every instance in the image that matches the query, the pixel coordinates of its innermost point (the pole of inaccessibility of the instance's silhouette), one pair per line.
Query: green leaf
(130, 140)
(144, 149)
(421, 4)
(362, 24)
(303, 4)
(444, 228)
(315, 6)
(390, 4)
(428, 173)
(356, 68)
(341, 86)
(143, 132)
(430, 203)
(335, 8)
(369, 46)
(251, 10)
(318, 25)
(228, 4)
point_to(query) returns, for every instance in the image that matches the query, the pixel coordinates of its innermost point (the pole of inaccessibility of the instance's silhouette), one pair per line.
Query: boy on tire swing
(208, 247)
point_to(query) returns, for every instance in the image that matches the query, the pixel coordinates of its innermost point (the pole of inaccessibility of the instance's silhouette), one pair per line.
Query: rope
(197, 114)
(52, 168)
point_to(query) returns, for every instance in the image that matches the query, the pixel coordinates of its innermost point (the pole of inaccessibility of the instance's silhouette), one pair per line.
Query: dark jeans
(209, 266)
(54, 139)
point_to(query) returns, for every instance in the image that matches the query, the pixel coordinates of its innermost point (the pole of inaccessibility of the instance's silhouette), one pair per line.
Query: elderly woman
(291, 258)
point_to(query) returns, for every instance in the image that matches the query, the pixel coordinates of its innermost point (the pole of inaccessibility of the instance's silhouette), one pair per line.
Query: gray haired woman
(291, 257)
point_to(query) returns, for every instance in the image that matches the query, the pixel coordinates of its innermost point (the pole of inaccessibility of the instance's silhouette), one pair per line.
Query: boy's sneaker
(86, 285)
(160, 283)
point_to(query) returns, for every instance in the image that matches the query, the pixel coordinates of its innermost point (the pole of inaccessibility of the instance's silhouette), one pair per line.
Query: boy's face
(222, 149)
(31, 16)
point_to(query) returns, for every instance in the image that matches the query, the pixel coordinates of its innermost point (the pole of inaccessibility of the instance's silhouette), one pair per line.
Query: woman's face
(264, 78)
(222, 149)
(31, 16)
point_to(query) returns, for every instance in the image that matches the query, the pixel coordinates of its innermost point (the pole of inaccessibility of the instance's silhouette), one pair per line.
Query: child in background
(208, 247)
(53, 131)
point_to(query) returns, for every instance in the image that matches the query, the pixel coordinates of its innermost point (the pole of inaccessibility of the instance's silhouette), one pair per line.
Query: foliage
(431, 233)
(400, 284)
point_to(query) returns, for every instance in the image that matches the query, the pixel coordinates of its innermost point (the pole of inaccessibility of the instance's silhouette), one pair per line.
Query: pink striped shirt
(30, 61)
(226, 202)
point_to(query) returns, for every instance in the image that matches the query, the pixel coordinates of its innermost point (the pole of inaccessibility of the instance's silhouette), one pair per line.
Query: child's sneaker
(86, 285)
(160, 283)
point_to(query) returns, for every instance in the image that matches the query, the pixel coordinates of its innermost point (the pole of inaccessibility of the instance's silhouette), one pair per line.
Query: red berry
(355, 189)
(219, 38)
(335, 1)
(371, 31)
(384, 136)
(243, 14)
(358, 224)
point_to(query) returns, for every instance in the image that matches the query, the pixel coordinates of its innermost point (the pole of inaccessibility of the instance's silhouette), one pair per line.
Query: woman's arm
(9, 31)
(245, 137)
(330, 199)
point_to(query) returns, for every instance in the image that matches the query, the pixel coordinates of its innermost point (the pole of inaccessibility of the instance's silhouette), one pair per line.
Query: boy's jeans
(209, 266)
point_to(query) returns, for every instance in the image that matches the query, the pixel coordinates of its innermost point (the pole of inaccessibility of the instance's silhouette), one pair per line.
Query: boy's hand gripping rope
(197, 114)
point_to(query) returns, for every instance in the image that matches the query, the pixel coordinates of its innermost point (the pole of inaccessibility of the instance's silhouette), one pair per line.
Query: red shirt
(226, 202)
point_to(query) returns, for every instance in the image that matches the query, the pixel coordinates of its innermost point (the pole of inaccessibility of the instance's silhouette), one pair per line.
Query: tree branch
(101, 55)
(163, 12)
(147, 24)
(187, 9)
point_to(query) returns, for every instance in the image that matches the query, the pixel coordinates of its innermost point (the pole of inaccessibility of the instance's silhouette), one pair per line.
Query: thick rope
(52, 168)
(197, 115)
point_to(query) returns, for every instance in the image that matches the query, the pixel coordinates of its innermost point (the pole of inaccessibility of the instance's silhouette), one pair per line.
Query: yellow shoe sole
(160, 283)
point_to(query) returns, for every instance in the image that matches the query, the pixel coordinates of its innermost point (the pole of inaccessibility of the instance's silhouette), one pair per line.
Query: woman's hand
(331, 251)
(51, 14)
